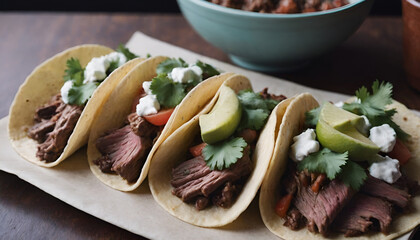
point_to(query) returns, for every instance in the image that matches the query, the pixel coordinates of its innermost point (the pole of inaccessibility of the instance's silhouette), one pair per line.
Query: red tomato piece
(283, 205)
(160, 118)
(197, 150)
(400, 152)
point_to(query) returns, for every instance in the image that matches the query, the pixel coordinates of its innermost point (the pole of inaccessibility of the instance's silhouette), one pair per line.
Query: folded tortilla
(173, 151)
(118, 106)
(46, 81)
(293, 123)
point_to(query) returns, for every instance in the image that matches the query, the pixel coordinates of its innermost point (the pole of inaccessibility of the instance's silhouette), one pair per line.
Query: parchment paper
(73, 183)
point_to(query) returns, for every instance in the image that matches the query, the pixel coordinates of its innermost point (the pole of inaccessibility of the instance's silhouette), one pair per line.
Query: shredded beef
(226, 196)
(40, 130)
(53, 124)
(362, 213)
(140, 126)
(378, 188)
(124, 150)
(56, 140)
(201, 203)
(263, 6)
(249, 135)
(193, 178)
(294, 219)
(321, 209)
(264, 94)
(229, 3)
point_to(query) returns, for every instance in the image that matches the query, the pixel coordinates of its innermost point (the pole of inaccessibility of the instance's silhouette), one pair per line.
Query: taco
(209, 170)
(51, 115)
(366, 188)
(152, 101)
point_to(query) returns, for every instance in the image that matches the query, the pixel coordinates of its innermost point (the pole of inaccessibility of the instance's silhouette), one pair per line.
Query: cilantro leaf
(127, 53)
(252, 100)
(255, 109)
(74, 71)
(353, 175)
(253, 118)
(312, 116)
(373, 106)
(224, 154)
(79, 95)
(169, 64)
(112, 66)
(324, 161)
(208, 70)
(168, 93)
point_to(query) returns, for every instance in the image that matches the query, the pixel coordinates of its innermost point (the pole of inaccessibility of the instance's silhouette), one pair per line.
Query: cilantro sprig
(312, 116)
(335, 165)
(74, 71)
(80, 94)
(324, 161)
(168, 93)
(127, 53)
(353, 175)
(255, 109)
(224, 154)
(208, 70)
(373, 106)
(169, 64)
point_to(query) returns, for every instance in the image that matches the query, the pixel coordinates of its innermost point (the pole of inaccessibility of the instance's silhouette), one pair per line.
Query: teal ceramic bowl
(274, 42)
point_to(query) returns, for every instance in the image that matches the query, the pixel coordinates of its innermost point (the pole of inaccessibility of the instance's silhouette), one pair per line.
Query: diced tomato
(136, 99)
(316, 186)
(160, 118)
(196, 150)
(283, 205)
(400, 152)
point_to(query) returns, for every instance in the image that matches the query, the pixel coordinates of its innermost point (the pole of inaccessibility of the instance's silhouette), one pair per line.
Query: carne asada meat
(294, 219)
(124, 150)
(264, 94)
(54, 123)
(362, 213)
(193, 179)
(378, 188)
(321, 209)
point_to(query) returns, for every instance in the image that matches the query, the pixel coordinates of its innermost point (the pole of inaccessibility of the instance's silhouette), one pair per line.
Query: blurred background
(380, 7)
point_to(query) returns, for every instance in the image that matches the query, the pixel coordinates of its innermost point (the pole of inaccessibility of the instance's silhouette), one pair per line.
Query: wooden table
(27, 39)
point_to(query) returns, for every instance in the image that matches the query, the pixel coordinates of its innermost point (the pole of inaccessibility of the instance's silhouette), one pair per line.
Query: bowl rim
(239, 12)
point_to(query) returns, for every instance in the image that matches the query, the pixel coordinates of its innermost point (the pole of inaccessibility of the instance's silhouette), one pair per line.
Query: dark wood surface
(26, 39)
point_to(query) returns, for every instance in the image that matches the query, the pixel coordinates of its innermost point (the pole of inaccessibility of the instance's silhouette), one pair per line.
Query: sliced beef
(378, 188)
(363, 213)
(194, 178)
(123, 152)
(141, 127)
(406, 184)
(264, 94)
(56, 140)
(250, 136)
(294, 219)
(321, 209)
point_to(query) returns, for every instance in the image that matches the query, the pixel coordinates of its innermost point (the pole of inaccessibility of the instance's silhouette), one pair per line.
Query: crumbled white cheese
(146, 87)
(183, 75)
(384, 136)
(65, 91)
(147, 105)
(364, 128)
(97, 67)
(339, 104)
(388, 170)
(303, 145)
